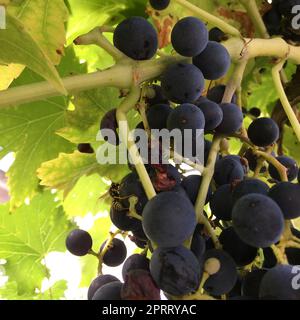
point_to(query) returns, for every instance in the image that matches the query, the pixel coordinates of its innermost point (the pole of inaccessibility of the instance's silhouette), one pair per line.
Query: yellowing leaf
(45, 21)
(9, 73)
(18, 46)
(63, 172)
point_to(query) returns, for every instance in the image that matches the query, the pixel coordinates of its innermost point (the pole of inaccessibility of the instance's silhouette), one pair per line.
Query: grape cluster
(182, 83)
(249, 214)
(279, 19)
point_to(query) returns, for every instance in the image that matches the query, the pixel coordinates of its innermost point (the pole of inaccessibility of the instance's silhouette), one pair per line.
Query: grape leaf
(18, 46)
(45, 21)
(85, 197)
(9, 73)
(87, 15)
(10, 292)
(291, 144)
(29, 130)
(89, 107)
(28, 235)
(92, 53)
(63, 172)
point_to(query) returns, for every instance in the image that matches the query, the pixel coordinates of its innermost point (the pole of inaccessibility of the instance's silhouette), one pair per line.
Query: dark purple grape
(289, 163)
(133, 262)
(198, 245)
(175, 222)
(99, 282)
(228, 170)
(158, 97)
(249, 186)
(214, 61)
(258, 220)
(215, 34)
(175, 270)
(85, 148)
(182, 83)
(109, 122)
(79, 242)
(139, 285)
(287, 196)
(216, 94)
(224, 280)
(263, 132)
(191, 185)
(159, 4)
(251, 283)
(121, 219)
(131, 186)
(110, 291)
(277, 283)
(213, 114)
(242, 253)
(136, 38)
(116, 253)
(232, 119)
(157, 116)
(189, 36)
(221, 203)
(255, 112)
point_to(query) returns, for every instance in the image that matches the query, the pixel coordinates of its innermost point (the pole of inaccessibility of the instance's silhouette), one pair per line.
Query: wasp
(114, 194)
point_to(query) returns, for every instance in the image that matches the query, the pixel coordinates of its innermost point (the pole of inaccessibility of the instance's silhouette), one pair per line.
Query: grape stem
(284, 100)
(206, 179)
(279, 254)
(288, 240)
(253, 12)
(272, 160)
(126, 136)
(125, 75)
(199, 295)
(235, 80)
(96, 37)
(177, 157)
(108, 243)
(260, 27)
(132, 212)
(93, 253)
(210, 18)
(266, 156)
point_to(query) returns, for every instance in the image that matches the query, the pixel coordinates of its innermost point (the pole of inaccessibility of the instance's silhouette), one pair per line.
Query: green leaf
(86, 197)
(10, 292)
(63, 172)
(28, 235)
(29, 130)
(18, 46)
(258, 85)
(45, 21)
(88, 14)
(291, 145)
(89, 107)
(96, 57)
